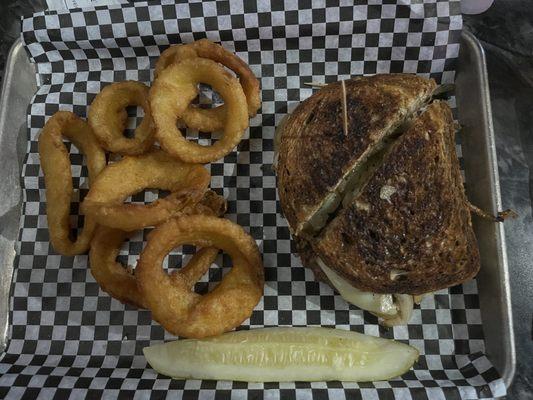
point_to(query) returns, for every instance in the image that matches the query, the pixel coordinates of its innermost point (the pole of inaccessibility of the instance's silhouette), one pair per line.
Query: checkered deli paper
(68, 338)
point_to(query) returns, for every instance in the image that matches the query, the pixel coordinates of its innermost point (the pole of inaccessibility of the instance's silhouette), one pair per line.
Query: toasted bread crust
(410, 219)
(308, 258)
(314, 151)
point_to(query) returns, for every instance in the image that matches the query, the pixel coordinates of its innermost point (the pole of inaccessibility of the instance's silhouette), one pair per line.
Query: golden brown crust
(170, 97)
(411, 219)
(315, 153)
(212, 120)
(119, 281)
(133, 174)
(171, 299)
(108, 116)
(55, 163)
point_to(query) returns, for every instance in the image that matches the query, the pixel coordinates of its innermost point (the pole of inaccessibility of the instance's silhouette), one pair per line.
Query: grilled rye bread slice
(309, 259)
(317, 157)
(409, 229)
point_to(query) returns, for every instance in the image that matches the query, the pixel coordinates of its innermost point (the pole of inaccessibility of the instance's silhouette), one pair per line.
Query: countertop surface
(506, 32)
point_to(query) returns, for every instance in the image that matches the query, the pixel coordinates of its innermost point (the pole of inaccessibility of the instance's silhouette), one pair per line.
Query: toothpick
(316, 84)
(344, 109)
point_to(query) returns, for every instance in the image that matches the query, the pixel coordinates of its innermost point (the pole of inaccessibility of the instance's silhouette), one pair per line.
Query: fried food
(173, 55)
(119, 281)
(171, 299)
(211, 120)
(107, 117)
(171, 95)
(284, 355)
(113, 277)
(155, 170)
(188, 214)
(55, 163)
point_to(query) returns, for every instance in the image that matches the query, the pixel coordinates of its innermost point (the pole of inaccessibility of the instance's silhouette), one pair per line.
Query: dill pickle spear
(284, 355)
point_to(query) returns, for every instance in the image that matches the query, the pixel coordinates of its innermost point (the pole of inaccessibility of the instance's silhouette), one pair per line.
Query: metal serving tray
(481, 169)
(483, 189)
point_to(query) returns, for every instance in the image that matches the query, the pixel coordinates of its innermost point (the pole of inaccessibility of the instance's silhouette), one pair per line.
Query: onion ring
(107, 117)
(55, 163)
(104, 202)
(170, 96)
(211, 120)
(172, 302)
(119, 281)
(173, 55)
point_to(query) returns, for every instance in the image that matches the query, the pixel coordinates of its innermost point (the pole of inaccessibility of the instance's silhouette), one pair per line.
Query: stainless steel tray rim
(508, 372)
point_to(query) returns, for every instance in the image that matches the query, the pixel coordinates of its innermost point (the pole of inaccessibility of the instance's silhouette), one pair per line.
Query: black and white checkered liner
(69, 338)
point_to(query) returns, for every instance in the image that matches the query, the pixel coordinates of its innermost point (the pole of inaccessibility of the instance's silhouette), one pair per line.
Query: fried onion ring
(107, 117)
(173, 55)
(119, 281)
(170, 96)
(55, 163)
(155, 170)
(211, 120)
(173, 303)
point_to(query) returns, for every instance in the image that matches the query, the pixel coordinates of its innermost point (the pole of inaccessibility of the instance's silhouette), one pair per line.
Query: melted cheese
(379, 304)
(405, 305)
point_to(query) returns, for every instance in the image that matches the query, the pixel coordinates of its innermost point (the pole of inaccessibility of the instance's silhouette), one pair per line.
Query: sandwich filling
(379, 304)
(393, 309)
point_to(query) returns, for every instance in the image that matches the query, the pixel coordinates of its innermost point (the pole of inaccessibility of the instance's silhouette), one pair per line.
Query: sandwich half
(317, 159)
(400, 225)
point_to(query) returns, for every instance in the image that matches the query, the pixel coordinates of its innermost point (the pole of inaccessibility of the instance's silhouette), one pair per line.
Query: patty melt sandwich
(370, 185)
